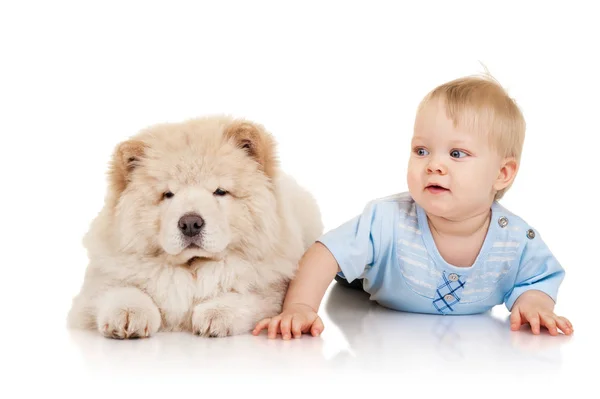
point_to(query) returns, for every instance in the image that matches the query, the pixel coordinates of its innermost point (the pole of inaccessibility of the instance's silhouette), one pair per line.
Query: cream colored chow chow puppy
(201, 231)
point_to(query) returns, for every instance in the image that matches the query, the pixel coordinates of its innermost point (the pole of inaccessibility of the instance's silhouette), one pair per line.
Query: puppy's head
(194, 190)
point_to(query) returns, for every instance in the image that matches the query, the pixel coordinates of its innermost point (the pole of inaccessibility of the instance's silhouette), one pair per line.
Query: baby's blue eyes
(454, 153)
(457, 154)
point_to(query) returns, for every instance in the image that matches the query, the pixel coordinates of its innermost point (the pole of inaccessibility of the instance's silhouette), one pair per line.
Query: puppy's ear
(126, 158)
(259, 144)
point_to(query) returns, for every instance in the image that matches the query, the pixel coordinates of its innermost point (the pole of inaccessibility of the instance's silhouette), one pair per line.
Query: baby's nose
(436, 167)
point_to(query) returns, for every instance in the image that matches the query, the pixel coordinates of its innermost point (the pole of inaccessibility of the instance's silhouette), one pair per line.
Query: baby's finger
(261, 325)
(568, 323)
(317, 327)
(297, 326)
(534, 322)
(515, 320)
(563, 324)
(548, 321)
(274, 327)
(285, 326)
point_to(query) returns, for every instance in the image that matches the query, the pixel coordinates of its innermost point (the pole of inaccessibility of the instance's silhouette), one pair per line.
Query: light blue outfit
(390, 247)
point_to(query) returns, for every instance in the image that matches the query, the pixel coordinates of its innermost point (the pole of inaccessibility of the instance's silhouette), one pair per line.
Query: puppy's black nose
(191, 224)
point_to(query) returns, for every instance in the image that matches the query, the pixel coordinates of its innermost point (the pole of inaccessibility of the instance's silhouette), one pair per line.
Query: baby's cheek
(479, 184)
(412, 177)
(413, 188)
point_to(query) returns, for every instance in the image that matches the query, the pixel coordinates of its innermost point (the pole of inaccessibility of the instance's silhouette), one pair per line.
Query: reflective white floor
(364, 348)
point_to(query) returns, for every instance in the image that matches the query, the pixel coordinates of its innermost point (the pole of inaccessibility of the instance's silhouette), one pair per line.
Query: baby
(446, 246)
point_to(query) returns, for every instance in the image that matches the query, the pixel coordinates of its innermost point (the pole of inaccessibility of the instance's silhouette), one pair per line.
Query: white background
(337, 84)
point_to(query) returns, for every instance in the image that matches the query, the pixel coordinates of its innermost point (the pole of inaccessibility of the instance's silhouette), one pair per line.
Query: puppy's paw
(213, 321)
(128, 322)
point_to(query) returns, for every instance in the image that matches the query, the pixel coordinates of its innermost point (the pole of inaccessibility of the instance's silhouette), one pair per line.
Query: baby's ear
(126, 158)
(507, 174)
(257, 143)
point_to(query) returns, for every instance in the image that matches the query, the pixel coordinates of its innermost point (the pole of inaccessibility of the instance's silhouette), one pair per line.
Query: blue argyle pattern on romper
(447, 289)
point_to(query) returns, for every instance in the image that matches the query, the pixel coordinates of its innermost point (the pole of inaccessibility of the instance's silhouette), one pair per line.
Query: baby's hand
(295, 319)
(537, 308)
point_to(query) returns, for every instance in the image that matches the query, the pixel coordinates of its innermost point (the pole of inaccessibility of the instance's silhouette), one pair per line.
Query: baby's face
(451, 171)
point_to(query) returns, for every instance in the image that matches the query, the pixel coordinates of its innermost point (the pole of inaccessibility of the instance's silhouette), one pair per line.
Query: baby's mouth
(436, 189)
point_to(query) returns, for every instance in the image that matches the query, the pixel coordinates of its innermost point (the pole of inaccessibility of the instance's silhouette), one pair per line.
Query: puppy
(200, 231)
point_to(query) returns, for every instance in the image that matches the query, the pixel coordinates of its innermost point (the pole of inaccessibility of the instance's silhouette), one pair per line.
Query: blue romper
(390, 247)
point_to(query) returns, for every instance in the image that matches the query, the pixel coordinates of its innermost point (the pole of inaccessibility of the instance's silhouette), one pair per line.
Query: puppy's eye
(220, 192)
(168, 194)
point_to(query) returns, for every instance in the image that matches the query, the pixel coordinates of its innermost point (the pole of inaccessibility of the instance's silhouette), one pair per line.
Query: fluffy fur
(145, 275)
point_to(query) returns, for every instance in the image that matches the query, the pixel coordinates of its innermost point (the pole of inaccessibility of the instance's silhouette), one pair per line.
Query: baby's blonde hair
(479, 103)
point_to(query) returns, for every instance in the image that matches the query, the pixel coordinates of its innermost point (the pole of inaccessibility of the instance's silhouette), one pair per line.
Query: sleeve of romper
(538, 270)
(355, 244)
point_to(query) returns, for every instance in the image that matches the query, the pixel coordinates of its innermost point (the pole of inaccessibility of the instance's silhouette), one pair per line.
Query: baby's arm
(349, 248)
(316, 270)
(534, 294)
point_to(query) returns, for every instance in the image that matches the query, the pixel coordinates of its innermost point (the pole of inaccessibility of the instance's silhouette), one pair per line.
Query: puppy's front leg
(232, 313)
(126, 312)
